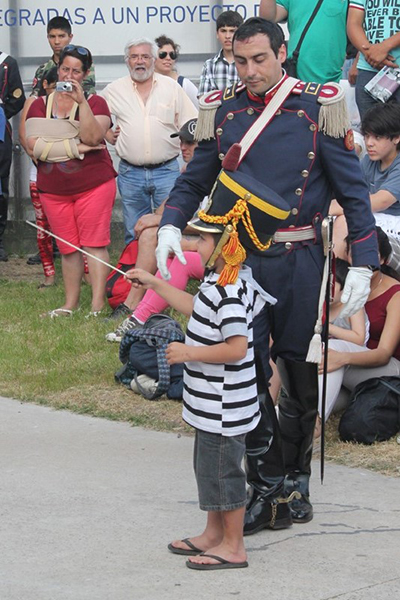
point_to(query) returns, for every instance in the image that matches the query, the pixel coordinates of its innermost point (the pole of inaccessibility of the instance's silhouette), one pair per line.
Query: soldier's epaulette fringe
(208, 106)
(333, 117)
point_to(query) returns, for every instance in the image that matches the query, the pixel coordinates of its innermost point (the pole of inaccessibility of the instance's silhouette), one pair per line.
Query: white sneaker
(126, 325)
(147, 383)
(134, 386)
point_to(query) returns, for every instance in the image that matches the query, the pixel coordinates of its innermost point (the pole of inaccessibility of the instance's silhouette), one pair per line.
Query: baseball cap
(187, 131)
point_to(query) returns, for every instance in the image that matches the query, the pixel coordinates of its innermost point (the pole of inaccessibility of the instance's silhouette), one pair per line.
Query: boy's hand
(176, 352)
(140, 278)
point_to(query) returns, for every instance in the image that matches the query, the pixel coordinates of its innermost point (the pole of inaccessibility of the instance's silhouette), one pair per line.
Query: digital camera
(63, 86)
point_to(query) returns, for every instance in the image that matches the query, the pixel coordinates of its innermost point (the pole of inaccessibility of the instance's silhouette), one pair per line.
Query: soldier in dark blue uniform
(306, 155)
(11, 102)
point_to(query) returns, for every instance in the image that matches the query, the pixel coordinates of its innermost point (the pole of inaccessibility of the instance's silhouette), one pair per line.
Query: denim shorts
(217, 462)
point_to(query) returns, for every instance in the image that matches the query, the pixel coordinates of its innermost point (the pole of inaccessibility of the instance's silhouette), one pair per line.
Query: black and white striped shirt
(222, 398)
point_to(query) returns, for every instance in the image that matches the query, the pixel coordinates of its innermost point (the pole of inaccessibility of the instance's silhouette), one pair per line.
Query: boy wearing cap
(220, 389)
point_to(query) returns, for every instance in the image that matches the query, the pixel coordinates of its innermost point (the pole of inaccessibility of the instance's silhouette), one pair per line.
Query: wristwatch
(372, 268)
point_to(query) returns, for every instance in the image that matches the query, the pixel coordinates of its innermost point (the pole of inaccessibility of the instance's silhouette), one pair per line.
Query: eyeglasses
(135, 57)
(164, 54)
(82, 51)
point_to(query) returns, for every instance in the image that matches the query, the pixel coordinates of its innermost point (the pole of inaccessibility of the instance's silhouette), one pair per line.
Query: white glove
(356, 290)
(169, 240)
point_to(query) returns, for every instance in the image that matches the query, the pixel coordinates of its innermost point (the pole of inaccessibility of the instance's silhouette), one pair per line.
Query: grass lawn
(66, 363)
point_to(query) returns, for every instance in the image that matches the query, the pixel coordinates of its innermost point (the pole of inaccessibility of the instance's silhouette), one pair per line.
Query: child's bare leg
(211, 536)
(231, 546)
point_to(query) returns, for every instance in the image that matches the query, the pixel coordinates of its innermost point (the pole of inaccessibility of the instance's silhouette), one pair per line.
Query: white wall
(105, 27)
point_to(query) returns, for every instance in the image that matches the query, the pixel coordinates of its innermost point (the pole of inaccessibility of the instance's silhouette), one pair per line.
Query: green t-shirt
(380, 22)
(323, 50)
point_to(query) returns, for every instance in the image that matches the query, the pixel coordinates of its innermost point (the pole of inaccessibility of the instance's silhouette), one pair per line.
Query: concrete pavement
(88, 506)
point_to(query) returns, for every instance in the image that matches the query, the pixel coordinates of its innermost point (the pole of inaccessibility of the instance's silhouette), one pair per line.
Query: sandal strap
(57, 312)
(223, 561)
(191, 546)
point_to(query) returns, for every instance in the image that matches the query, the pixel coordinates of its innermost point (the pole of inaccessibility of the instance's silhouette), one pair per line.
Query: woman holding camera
(76, 179)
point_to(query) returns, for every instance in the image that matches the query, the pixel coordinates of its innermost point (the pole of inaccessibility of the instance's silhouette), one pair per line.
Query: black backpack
(374, 411)
(142, 351)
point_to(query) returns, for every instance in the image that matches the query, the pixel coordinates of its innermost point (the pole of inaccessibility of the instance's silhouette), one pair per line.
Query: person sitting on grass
(354, 329)
(146, 234)
(381, 169)
(349, 364)
(220, 385)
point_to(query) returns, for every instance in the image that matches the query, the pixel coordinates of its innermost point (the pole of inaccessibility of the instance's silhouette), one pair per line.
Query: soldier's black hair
(83, 54)
(255, 25)
(59, 23)
(229, 18)
(382, 119)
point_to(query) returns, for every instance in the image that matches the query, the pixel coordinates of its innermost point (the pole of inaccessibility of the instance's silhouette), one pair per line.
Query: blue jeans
(143, 190)
(363, 99)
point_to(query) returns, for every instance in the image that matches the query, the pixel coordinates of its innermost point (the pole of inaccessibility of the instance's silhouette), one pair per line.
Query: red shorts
(81, 219)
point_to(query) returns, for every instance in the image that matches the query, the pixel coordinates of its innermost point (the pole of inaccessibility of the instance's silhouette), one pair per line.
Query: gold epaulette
(208, 106)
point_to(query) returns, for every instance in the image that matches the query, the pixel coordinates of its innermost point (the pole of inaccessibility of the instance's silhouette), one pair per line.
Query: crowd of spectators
(146, 116)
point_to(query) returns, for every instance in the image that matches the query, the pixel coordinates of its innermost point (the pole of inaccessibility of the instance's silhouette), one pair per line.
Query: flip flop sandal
(191, 551)
(222, 564)
(60, 312)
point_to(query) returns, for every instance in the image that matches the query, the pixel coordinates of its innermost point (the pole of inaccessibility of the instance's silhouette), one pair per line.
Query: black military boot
(267, 506)
(297, 415)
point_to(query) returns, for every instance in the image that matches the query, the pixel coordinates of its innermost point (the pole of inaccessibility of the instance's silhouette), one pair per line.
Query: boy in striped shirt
(220, 388)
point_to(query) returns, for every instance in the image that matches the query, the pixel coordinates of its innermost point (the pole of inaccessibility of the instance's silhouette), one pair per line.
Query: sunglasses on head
(163, 54)
(79, 49)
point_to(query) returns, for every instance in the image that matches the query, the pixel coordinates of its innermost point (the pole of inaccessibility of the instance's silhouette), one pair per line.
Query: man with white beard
(148, 107)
